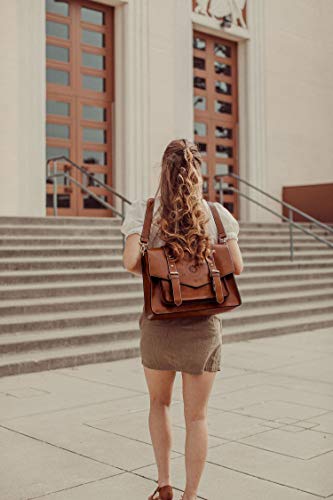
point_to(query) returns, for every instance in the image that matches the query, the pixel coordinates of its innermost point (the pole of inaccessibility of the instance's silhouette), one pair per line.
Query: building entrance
(79, 82)
(216, 114)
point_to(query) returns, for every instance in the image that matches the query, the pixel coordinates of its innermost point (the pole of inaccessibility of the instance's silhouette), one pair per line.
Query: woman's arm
(236, 255)
(132, 254)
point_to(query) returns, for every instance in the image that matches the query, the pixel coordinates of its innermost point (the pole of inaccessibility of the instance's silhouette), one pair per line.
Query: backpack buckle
(143, 247)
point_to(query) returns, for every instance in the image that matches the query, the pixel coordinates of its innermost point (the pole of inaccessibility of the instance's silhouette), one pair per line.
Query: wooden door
(79, 76)
(216, 114)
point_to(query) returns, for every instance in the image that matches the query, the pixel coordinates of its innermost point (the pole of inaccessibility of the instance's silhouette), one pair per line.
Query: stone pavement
(82, 433)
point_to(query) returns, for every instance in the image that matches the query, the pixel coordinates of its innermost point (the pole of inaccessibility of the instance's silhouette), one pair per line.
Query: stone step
(59, 242)
(89, 231)
(39, 360)
(284, 238)
(100, 262)
(299, 248)
(18, 360)
(275, 242)
(84, 288)
(271, 328)
(252, 299)
(252, 255)
(67, 289)
(54, 276)
(44, 263)
(50, 339)
(285, 266)
(275, 276)
(74, 303)
(60, 221)
(50, 221)
(97, 229)
(68, 251)
(283, 255)
(264, 225)
(67, 337)
(66, 298)
(274, 236)
(67, 319)
(63, 275)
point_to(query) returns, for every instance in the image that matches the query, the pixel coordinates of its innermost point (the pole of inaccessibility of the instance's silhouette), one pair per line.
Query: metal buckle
(143, 246)
(173, 272)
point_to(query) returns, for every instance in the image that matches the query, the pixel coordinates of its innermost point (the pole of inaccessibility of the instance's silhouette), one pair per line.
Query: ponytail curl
(182, 218)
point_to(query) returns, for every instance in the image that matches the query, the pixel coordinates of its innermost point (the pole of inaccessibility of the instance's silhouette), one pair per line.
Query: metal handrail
(84, 188)
(53, 177)
(283, 203)
(291, 210)
(88, 174)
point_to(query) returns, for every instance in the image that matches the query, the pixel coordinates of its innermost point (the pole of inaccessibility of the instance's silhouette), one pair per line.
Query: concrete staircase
(65, 298)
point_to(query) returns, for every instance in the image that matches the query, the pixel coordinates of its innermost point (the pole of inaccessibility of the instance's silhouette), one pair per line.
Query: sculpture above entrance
(228, 11)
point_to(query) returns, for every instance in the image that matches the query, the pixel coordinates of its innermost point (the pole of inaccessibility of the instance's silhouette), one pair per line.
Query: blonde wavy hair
(181, 216)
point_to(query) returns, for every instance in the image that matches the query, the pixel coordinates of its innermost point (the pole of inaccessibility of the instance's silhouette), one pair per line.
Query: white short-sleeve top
(134, 218)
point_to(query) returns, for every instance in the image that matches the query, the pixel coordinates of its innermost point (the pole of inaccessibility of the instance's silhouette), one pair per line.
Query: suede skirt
(192, 345)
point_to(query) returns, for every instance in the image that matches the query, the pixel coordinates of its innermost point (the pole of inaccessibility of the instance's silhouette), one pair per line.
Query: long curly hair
(181, 216)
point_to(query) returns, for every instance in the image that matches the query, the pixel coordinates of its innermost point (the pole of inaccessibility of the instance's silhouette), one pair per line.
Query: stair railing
(291, 210)
(51, 165)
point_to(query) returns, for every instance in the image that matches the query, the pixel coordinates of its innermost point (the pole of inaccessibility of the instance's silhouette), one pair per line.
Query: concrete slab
(83, 433)
(220, 482)
(53, 392)
(33, 468)
(231, 426)
(135, 426)
(277, 410)
(275, 359)
(109, 448)
(322, 423)
(122, 486)
(322, 372)
(306, 444)
(313, 476)
(259, 394)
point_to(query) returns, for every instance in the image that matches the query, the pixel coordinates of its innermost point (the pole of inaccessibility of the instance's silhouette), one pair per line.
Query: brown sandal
(164, 493)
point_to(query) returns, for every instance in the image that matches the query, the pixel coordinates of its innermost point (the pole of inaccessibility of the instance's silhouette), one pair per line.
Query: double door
(79, 76)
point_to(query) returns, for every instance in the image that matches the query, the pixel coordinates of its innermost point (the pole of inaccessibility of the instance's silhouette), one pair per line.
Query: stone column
(153, 88)
(22, 108)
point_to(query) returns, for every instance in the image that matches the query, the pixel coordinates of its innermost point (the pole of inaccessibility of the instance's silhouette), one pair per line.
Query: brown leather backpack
(175, 290)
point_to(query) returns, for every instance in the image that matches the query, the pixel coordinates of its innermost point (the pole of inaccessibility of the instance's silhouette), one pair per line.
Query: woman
(182, 221)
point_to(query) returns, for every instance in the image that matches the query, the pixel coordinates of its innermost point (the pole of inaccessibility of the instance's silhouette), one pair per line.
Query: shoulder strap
(219, 224)
(149, 217)
(147, 221)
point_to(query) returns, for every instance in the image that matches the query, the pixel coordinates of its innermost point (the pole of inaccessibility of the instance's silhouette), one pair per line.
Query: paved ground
(82, 433)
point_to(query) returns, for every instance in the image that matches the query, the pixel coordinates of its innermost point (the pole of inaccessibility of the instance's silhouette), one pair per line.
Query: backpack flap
(195, 282)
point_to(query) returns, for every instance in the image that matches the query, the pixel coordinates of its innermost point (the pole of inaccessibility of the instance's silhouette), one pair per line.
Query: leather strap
(215, 278)
(174, 277)
(144, 238)
(220, 228)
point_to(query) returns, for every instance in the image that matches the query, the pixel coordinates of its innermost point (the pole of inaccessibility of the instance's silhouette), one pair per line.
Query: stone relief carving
(229, 12)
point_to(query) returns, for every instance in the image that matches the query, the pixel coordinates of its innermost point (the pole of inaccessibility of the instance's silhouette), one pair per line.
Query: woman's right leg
(196, 391)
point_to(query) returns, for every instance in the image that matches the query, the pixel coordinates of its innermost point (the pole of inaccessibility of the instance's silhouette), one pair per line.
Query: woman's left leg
(160, 385)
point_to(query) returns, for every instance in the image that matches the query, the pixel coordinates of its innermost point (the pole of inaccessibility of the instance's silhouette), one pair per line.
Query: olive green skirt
(192, 345)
